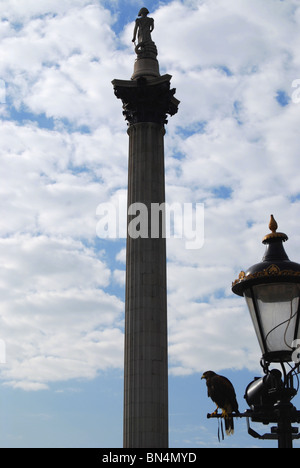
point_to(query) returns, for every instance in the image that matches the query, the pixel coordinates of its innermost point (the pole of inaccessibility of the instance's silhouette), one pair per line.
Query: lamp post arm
(284, 416)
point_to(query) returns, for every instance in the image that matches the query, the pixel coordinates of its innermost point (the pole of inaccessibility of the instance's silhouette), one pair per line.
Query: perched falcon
(222, 393)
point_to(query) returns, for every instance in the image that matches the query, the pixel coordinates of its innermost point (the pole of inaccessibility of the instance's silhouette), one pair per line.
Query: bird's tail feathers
(229, 425)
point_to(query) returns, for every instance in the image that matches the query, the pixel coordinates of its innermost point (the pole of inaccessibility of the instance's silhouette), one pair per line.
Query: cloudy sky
(233, 146)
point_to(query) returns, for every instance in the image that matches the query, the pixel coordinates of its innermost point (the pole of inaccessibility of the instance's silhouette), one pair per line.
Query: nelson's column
(147, 99)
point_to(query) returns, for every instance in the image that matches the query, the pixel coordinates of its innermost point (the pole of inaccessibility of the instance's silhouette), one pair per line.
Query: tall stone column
(147, 99)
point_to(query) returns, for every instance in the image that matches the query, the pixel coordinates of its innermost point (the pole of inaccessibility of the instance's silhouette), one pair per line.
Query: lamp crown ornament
(273, 226)
(275, 262)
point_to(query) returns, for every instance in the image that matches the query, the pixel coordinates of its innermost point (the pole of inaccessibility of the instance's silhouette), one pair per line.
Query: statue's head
(143, 11)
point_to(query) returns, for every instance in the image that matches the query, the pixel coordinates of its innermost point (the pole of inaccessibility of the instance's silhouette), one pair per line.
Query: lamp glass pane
(278, 306)
(248, 297)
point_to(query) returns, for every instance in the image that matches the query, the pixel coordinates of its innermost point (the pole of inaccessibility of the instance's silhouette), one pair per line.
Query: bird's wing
(222, 393)
(229, 394)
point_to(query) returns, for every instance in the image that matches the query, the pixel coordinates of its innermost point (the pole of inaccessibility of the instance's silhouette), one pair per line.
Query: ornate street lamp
(272, 292)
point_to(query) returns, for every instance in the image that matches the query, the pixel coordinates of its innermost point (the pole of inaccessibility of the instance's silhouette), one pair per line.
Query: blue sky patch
(282, 98)
(194, 128)
(222, 192)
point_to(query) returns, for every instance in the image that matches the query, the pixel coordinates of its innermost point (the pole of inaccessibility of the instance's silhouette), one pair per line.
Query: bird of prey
(222, 393)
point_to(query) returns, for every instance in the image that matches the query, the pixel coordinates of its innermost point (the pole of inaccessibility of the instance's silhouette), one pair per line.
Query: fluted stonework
(146, 358)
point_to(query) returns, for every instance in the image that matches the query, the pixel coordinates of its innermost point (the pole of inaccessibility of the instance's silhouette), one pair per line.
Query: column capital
(147, 100)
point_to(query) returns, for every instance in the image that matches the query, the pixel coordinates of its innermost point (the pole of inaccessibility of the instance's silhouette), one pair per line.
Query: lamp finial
(273, 226)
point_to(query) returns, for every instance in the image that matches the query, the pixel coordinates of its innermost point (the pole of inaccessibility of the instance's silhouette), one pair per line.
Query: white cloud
(20, 10)
(56, 321)
(217, 334)
(62, 64)
(53, 181)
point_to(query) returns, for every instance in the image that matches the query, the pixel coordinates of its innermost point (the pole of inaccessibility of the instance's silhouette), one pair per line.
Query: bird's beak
(202, 377)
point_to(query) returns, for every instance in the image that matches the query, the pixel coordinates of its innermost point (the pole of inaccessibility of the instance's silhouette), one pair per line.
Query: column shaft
(146, 362)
